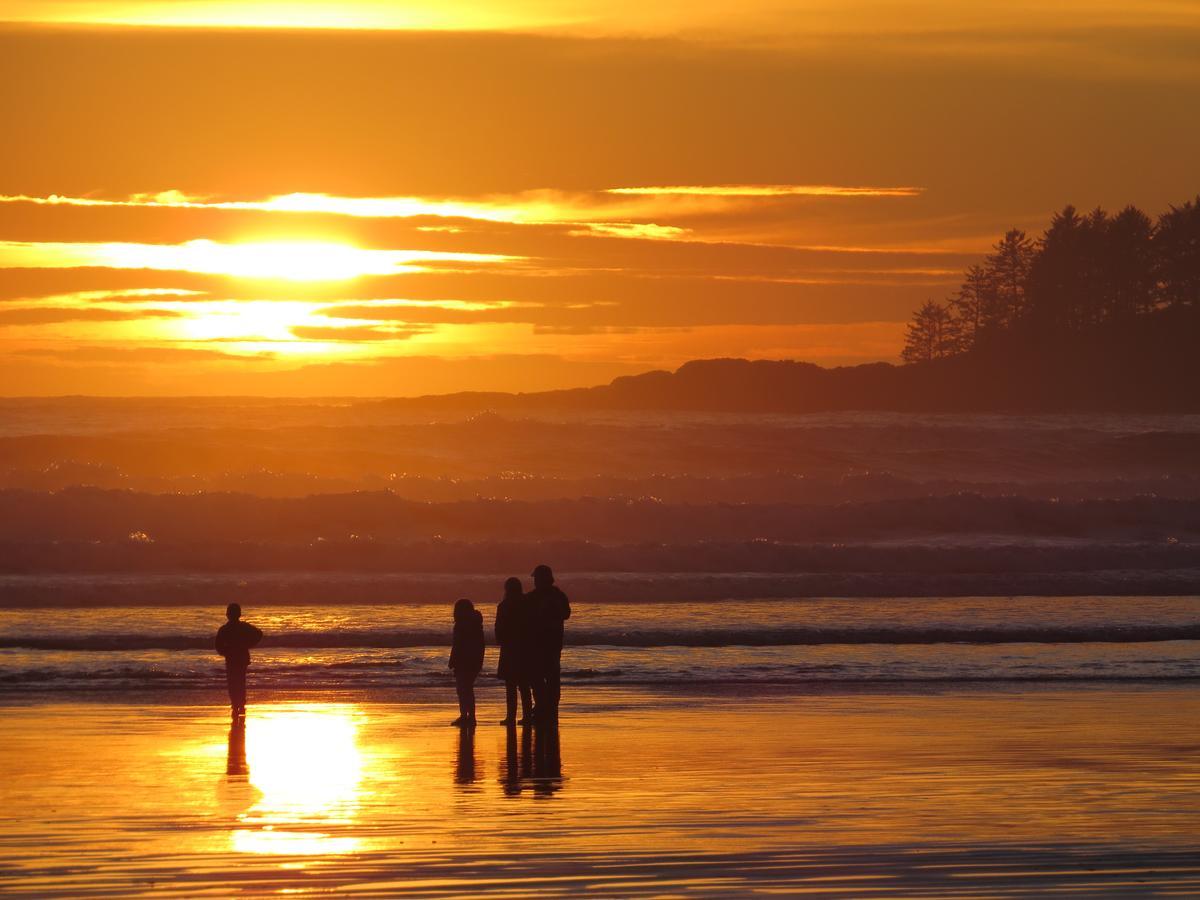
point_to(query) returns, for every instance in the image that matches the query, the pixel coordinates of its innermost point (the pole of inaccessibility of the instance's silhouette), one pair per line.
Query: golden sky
(378, 198)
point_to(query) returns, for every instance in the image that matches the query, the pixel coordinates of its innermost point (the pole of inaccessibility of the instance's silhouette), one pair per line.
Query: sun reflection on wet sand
(307, 766)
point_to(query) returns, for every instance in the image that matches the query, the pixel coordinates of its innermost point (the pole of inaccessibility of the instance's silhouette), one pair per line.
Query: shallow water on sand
(1089, 791)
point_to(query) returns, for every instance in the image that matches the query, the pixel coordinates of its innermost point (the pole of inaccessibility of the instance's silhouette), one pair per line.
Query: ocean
(803, 644)
(701, 550)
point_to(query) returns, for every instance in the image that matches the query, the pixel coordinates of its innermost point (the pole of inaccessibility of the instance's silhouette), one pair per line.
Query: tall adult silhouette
(514, 633)
(550, 609)
(234, 640)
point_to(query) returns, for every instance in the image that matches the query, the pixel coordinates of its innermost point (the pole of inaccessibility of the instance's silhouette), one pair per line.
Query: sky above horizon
(379, 198)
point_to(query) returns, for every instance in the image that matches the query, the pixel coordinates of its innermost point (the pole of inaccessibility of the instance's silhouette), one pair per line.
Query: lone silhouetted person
(234, 640)
(550, 609)
(466, 659)
(514, 634)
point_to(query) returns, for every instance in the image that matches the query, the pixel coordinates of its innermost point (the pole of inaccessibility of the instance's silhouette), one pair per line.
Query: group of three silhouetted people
(529, 630)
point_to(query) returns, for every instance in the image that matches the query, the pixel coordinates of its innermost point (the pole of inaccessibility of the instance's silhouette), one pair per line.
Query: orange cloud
(141, 354)
(601, 212)
(45, 315)
(288, 260)
(769, 190)
(355, 333)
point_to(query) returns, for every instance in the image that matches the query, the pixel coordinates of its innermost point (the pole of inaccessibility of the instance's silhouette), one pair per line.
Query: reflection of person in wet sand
(234, 640)
(235, 793)
(547, 761)
(464, 769)
(235, 762)
(536, 761)
(511, 776)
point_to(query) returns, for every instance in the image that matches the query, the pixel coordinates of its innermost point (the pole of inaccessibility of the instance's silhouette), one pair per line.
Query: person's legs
(510, 701)
(553, 688)
(526, 701)
(465, 684)
(235, 678)
(540, 700)
(460, 688)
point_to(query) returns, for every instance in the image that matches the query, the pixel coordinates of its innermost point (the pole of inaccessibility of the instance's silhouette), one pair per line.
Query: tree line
(1085, 271)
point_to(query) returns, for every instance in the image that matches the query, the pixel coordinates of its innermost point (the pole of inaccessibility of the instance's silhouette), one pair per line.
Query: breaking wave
(704, 637)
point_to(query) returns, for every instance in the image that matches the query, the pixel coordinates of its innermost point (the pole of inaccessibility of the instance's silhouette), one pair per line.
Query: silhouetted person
(550, 609)
(235, 762)
(234, 640)
(466, 658)
(514, 634)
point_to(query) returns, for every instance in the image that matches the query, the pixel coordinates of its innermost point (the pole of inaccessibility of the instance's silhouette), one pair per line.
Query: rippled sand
(984, 793)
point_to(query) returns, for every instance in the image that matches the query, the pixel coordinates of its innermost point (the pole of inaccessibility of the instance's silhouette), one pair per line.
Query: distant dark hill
(1150, 364)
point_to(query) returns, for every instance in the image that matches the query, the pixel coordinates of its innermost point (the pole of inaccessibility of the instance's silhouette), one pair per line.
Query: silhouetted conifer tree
(970, 305)
(931, 334)
(1177, 254)
(1007, 269)
(1128, 264)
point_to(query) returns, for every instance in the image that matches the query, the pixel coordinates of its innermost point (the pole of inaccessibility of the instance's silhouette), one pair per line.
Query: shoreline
(491, 689)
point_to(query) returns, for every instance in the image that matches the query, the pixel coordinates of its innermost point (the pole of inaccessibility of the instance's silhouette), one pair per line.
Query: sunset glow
(560, 192)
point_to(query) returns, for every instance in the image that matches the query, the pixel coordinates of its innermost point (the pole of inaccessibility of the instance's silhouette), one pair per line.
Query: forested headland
(1101, 313)
(1121, 281)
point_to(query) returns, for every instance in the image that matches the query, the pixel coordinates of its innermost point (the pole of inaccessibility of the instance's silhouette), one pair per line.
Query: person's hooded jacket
(466, 651)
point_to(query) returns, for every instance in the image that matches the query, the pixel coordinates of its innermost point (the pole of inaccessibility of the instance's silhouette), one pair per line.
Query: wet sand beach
(995, 791)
